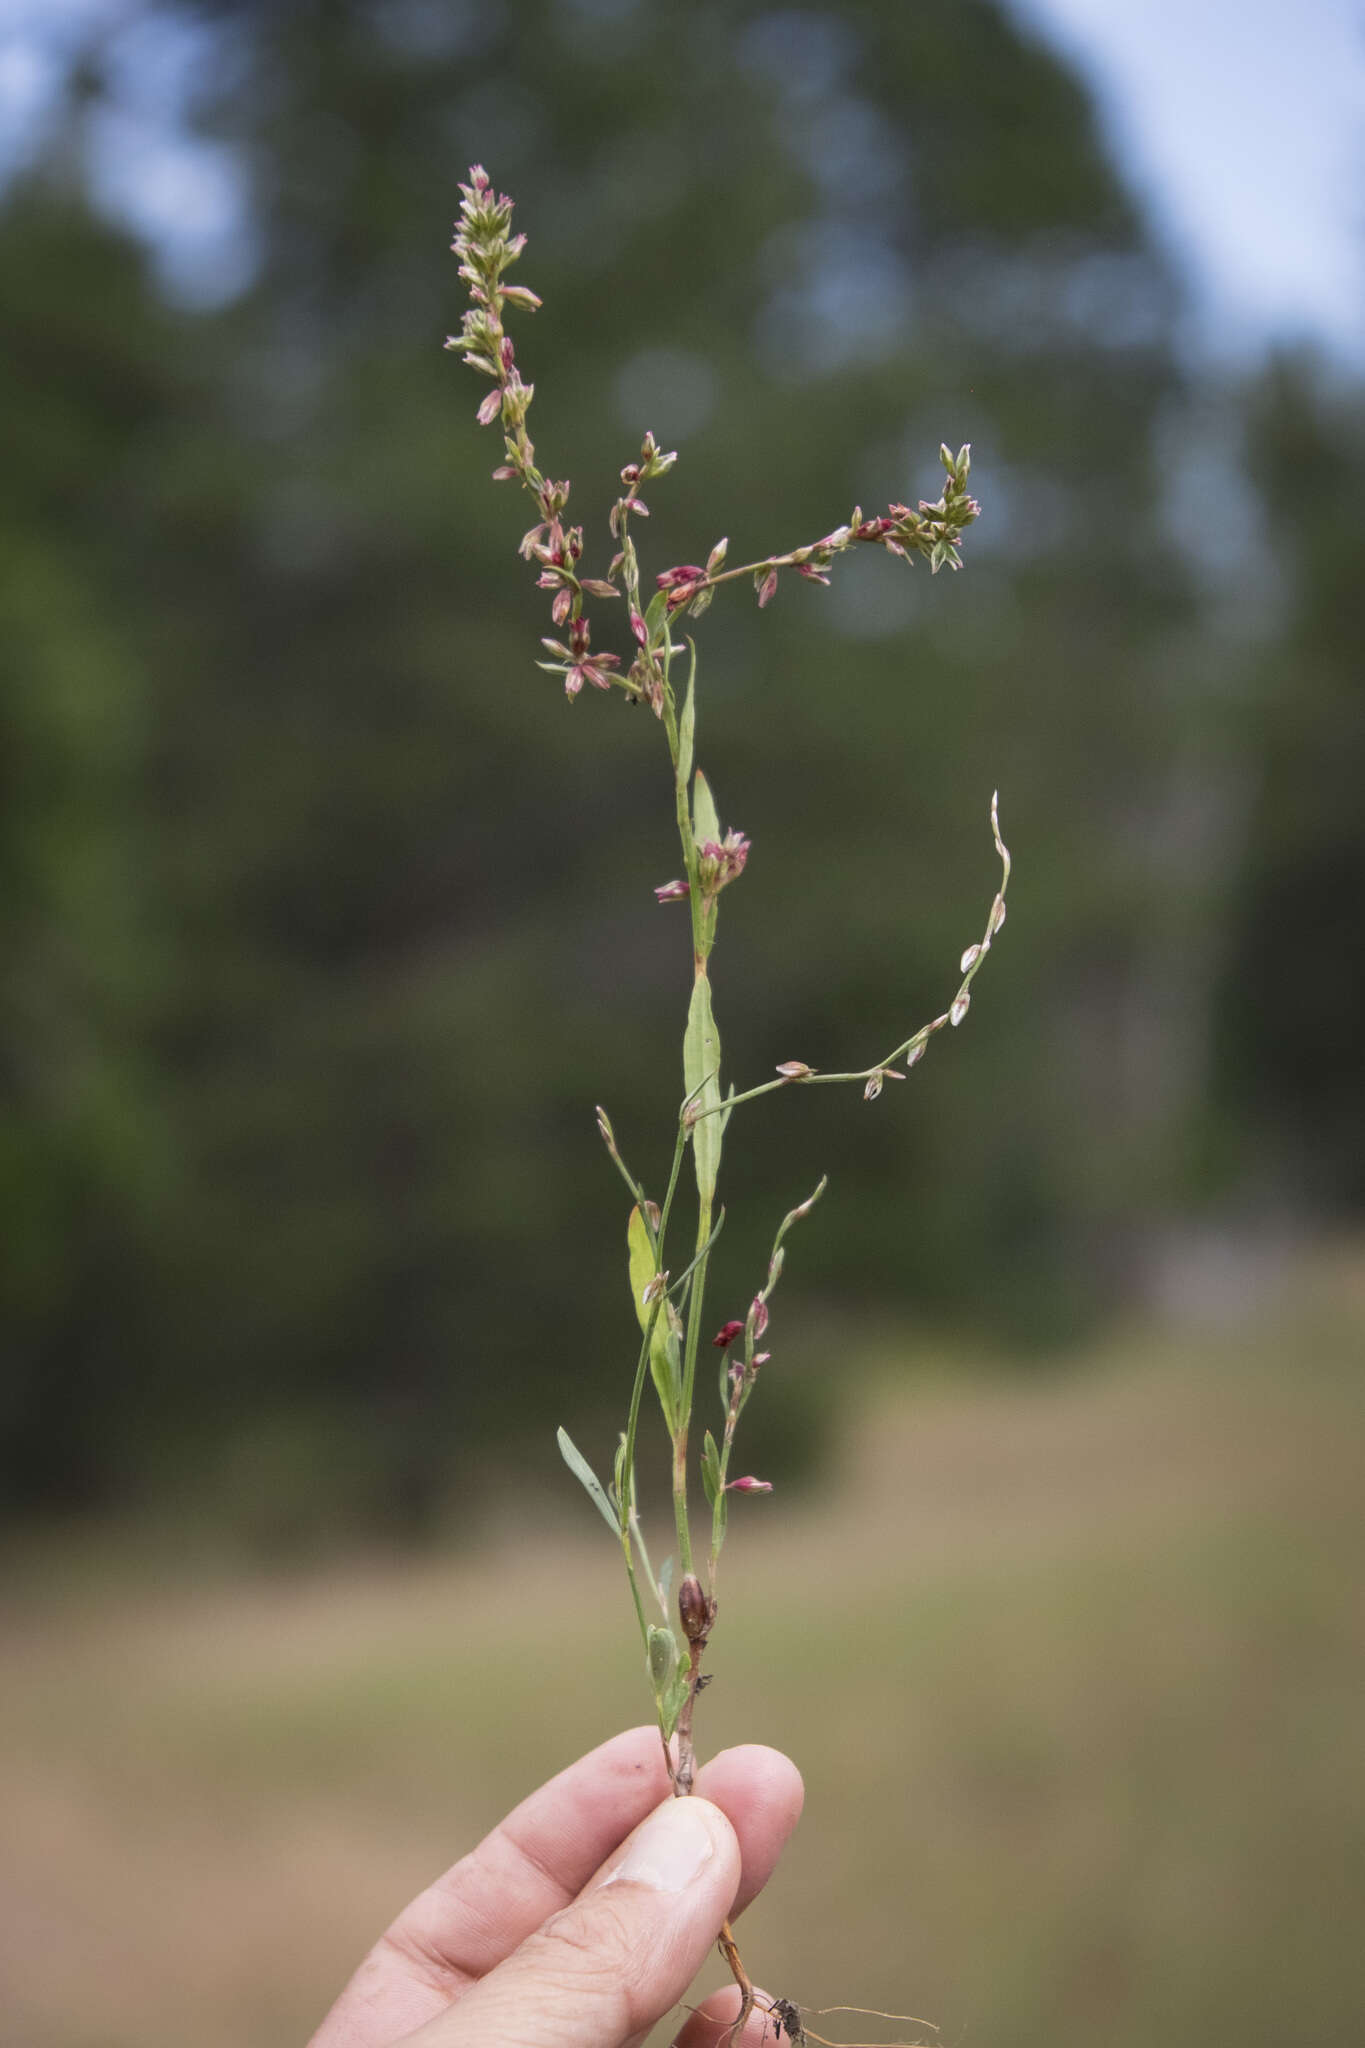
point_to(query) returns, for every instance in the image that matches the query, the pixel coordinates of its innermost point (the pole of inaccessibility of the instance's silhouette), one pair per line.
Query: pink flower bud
(673, 892)
(726, 1335)
(758, 1315)
(796, 1070)
(490, 409)
(767, 589)
(639, 629)
(750, 1485)
(562, 606)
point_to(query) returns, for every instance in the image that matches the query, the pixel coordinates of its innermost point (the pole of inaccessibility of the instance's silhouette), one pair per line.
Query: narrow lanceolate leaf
(654, 612)
(687, 724)
(665, 1364)
(701, 1077)
(592, 1485)
(710, 1470)
(672, 1702)
(705, 817)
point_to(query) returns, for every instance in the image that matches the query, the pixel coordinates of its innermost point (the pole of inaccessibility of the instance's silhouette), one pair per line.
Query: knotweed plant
(676, 1606)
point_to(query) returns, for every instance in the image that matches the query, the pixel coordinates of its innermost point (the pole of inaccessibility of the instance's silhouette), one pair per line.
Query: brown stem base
(725, 1942)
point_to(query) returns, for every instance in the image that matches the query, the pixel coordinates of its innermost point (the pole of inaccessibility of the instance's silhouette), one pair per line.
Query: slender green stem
(688, 1271)
(634, 1587)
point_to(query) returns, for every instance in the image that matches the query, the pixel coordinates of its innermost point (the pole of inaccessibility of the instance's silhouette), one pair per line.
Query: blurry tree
(1293, 995)
(330, 921)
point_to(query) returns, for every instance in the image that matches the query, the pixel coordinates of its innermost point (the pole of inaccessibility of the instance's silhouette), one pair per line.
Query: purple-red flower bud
(673, 892)
(726, 1335)
(694, 1609)
(639, 629)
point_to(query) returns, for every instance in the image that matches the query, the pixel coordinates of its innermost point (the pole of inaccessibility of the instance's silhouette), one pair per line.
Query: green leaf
(701, 1077)
(671, 1705)
(710, 1470)
(665, 1366)
(663, 1660)
(654, 612)
(583, 1472)
(705, 817)
(687, 724)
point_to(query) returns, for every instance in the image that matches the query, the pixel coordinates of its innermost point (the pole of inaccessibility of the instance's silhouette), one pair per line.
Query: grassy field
(1075, 1670)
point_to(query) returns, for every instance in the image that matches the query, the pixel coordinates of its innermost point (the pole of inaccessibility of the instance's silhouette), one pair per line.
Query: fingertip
(708, 2025)
(761, 1791)
(769, 1776)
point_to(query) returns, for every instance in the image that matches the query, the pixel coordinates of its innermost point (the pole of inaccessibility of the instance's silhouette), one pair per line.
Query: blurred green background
(326, 922)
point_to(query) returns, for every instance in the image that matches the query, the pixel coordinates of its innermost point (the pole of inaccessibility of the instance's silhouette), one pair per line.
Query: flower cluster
(576, 664)
(486, 250)
(720, 862)
(934, 532)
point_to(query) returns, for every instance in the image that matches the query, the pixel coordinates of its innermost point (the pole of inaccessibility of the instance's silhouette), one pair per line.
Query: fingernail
(669, 1851)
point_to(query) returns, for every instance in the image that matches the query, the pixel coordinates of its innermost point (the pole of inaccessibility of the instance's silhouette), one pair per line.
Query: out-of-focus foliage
(326, 921)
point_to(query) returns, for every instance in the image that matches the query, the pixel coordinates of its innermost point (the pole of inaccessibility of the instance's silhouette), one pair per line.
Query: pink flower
(726, 1335)
(682, 584)
(750, 1485)
(721, 861)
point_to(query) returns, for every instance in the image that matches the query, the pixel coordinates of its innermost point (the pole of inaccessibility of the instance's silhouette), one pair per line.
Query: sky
(1241, 123)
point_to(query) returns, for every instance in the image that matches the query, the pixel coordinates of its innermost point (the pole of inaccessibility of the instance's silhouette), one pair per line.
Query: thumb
(602, 1971)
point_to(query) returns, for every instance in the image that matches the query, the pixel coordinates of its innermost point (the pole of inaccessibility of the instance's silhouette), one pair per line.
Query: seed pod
(694, 1610)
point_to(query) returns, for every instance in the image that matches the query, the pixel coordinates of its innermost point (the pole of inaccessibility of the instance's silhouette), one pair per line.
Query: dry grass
(1076, 1672)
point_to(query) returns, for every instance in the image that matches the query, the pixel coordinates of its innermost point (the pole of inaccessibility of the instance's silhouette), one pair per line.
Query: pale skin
(580, 1921)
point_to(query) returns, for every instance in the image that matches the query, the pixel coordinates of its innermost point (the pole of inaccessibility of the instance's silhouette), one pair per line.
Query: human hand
(585, 1914)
